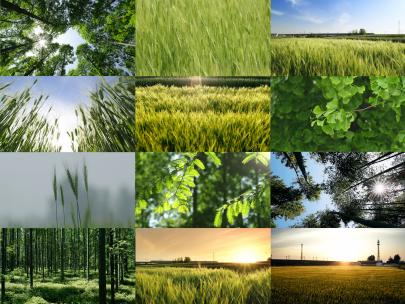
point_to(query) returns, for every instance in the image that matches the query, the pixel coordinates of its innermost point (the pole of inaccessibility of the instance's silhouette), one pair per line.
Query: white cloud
(277, 13)
(294, 2)
(311, 19)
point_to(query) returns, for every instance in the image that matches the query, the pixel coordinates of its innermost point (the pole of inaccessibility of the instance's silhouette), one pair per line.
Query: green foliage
(202, 189)
(203, 37)
(176, 188)
(338, 114)
(340, 57)
(184, 285)
(202, 118)
(107, 125)
(29, 29)
(22, 126)
(337, 284)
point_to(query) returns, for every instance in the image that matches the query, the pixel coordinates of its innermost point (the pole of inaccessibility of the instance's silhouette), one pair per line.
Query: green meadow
(338, 57)
(171, 285)
(203, 37)
(202, 118)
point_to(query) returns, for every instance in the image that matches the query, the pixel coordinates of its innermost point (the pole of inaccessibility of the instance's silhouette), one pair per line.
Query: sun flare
(245, 256)
(379, 188)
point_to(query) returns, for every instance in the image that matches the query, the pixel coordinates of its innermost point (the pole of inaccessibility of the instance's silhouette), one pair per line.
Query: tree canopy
(366, 190)
(29, 30)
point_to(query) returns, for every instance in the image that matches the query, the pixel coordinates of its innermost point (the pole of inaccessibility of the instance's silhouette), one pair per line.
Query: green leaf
(230, 216)
(318, 111)
(218, 218)
(214, 158)
(142, 204)
(250, 156)
(199, 164)
(183, 209)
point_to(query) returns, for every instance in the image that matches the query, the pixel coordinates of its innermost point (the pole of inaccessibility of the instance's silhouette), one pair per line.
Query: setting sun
(246, 256)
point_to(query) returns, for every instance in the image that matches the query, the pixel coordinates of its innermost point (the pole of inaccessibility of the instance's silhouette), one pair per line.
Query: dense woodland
(106, 125)
(366, 189)
(67, 265)
(202, 190)
(28, 30)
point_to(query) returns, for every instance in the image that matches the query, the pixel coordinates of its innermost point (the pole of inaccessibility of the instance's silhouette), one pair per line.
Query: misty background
(27, 196)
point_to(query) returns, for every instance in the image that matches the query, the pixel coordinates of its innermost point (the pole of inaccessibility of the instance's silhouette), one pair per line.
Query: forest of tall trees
(67, 265)
(31, 43)
(202, 189)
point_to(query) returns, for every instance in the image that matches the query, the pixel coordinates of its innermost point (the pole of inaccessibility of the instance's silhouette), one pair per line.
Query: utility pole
(302, 251)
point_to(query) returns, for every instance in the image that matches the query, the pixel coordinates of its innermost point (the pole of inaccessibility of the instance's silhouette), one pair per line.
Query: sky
(219, 244)
(288, 176)
(26, 187)
(73, 38)
(333, 244)
(65, 94)
(337, 16)
(70, 37)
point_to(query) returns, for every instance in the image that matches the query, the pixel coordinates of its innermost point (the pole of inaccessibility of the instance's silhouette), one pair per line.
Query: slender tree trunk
(3, 263)
(31, 266)
(15, 47)
(87, 255)
(102, 293)
(62, 256)
(112, 265)
(15, 8)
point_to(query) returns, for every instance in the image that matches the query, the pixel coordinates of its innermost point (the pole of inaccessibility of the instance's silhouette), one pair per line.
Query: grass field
(337, 284)
(203, 37)
(201, 118)
(337, 57)
(184, 285)
(73, 290)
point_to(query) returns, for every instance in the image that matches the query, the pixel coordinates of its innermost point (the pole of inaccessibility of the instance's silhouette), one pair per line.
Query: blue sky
(70, 37)
(321, 16)
(288, 176)
(65, 94)
(73, 38)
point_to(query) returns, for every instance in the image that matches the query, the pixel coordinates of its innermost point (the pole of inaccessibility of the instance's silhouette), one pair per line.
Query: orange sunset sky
(225, 245)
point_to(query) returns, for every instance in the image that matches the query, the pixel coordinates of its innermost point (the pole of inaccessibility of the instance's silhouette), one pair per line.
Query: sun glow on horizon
(246, 256)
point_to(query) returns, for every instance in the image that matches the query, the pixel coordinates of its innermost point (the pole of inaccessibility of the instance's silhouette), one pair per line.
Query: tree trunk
(102, 293)
(3, 263)
(62, 256)
(15, 8)
(112, 265)
(31, 266)
(87, 255)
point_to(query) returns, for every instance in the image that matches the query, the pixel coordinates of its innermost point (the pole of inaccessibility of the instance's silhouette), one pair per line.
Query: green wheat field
(338, 284)
(203, 37)
(202, 118)
(339, 57)
(190, 285)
